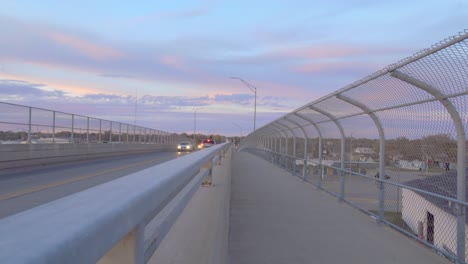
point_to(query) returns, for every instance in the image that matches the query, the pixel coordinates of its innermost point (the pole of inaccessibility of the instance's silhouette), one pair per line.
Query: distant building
(433, 219)
(364, 151)
(412, 165)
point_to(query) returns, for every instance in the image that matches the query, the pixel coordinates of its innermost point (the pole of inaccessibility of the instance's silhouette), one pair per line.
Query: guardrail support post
(208, 181)
(129, 250)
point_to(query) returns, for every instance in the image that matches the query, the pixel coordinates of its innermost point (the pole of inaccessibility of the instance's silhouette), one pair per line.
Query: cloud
(173, 102)
(197, 11)
(22, 92)
(60, 48)
(84, 47)
(305, 70)
(9, 88)
(171, 113)
(48, 46)
(174, 62)
(242, 99)
(339, 67)
(110, 75)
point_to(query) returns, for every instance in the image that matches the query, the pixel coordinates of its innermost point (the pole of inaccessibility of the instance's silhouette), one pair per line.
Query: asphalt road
(25, 188)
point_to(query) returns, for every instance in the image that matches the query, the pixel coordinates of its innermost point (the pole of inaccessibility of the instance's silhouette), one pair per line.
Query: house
(364, 151)
(412, 165)
(329, 167)
(431, 218)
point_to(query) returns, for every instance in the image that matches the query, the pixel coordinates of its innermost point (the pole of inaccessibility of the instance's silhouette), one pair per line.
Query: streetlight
(253, 89)
(195, 123)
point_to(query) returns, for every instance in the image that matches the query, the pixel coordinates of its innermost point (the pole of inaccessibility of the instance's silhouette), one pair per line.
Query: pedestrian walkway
(278, 218)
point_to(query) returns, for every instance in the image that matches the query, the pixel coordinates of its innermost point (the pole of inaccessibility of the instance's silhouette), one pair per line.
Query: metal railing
(25, 125)
(392, 144)
(122, 221)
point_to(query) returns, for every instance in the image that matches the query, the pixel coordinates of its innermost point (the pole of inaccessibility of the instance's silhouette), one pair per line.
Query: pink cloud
(331, 51)
(332, 67)
(174, 62)
(201, 10)
(84, 47)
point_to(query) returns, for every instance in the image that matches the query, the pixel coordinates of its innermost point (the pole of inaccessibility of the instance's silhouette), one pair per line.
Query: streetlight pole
(253, 89)
(195, 123)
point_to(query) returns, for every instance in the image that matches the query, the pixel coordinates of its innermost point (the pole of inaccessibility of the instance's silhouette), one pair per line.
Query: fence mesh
(29, 125)
(408, 121)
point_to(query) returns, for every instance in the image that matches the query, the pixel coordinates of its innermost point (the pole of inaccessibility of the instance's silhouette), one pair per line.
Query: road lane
(22, 189)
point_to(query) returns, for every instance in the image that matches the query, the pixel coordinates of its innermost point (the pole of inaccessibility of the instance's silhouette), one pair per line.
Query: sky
(152, 63)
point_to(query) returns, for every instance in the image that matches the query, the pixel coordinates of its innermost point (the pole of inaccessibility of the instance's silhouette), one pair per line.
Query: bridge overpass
(374, 172)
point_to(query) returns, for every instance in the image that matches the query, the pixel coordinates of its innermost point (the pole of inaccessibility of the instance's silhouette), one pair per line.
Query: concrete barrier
(19, 155)
(89, 227)
(200, 233)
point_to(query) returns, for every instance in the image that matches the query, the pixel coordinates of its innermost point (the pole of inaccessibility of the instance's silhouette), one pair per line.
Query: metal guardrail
(25, 124)
(108, 223)
(408, 122)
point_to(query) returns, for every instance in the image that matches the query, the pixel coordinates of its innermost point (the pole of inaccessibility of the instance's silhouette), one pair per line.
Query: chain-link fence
(30, 125)
(392, 144)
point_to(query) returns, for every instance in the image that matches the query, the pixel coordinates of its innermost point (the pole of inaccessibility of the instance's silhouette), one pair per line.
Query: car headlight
(178, 147)
(188, 147)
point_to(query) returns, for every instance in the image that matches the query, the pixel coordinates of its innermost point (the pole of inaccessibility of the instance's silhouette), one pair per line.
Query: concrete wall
(19, 155)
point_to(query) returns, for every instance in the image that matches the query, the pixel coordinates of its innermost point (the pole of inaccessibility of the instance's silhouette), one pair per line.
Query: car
(184, 146)
(207, 143)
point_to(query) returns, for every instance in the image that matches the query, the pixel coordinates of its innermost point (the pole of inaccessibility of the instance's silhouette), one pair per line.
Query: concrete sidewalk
(278, 218)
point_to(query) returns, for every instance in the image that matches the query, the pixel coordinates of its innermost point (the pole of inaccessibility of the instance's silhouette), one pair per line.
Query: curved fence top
(404, 95)
(419, 102)
(407, 122)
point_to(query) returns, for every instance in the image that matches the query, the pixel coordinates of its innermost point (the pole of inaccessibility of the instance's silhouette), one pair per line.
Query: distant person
(447, 166)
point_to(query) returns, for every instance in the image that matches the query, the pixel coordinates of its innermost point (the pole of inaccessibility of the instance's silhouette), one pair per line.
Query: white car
(184, 146)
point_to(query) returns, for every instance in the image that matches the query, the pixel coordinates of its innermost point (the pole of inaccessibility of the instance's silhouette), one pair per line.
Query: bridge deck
(278, 218)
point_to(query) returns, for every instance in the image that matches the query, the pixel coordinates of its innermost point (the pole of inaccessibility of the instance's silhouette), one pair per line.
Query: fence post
(72, 129)
(87, 130)
(53, 127)
(110, 132)
(100, 130)
(29, 128)
(320, 165)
